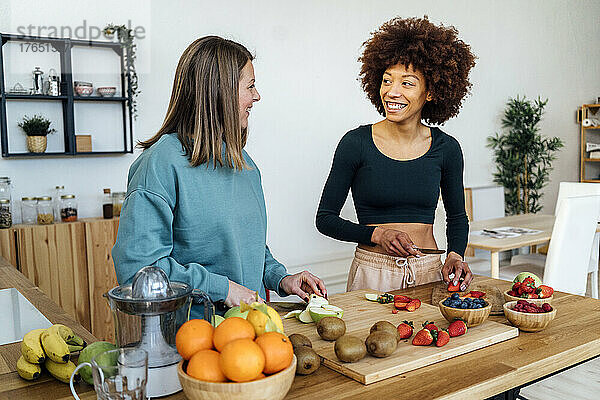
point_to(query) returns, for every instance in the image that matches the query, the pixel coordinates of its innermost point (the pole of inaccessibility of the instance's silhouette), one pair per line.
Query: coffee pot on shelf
(147, 315)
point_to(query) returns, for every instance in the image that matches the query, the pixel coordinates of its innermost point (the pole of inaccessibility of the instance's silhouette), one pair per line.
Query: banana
(31, 347)
(73, 348)
(64, 331)
(77, 341)
(27, 370)
(55, 347)
(61, 371)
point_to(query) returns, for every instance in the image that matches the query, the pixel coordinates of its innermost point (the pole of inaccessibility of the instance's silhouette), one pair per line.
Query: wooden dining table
(541, 222)
(497, 371)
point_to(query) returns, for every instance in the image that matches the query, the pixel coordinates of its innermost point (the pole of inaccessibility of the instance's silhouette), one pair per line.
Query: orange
(278, 350)
(261, 376)
(204, 365)
(231, 329)
(193, 336)
(242, 360)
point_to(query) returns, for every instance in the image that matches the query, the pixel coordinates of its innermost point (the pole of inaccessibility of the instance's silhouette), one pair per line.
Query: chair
(570, 246)
(570, 189)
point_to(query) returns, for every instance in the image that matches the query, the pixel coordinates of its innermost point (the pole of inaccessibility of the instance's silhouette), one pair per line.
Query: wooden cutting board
(360, 314)
(492, 294)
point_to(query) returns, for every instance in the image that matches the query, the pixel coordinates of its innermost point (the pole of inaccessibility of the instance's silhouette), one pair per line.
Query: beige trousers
(383, 273)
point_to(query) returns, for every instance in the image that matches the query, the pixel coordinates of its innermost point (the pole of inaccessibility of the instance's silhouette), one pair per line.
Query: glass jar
(117, 202)
(58, 192)
(68, 208)
(107, 205)
(5, 187)
(45, 211)
(5, 214)
(28, 210)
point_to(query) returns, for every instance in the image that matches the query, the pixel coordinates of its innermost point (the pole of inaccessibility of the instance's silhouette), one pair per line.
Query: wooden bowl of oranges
(230, 362)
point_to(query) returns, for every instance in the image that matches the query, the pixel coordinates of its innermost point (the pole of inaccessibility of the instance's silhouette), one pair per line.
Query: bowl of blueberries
(471, 310)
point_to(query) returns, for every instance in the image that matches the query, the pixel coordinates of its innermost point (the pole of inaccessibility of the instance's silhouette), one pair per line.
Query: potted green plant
(523, 156)
(36, 128)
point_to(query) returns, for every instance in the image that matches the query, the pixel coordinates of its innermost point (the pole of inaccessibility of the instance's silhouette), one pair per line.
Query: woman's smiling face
(403, 93)
(247, 93)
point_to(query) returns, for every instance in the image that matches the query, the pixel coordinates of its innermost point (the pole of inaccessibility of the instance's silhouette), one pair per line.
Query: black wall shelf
(67, 97)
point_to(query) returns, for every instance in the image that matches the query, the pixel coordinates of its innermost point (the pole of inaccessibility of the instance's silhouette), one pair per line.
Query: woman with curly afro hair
(415, 73)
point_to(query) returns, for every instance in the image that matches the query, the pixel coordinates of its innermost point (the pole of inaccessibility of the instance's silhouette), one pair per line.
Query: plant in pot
(523, 156)
(36, 128)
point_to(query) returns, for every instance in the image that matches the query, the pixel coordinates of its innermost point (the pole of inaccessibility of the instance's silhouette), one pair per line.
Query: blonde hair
(204, 105)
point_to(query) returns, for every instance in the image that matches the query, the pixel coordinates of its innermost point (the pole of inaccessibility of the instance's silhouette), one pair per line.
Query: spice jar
(28, 210)
(45, 212)
(5, 215)
(68, 208)
(107, 205)
(117, 202)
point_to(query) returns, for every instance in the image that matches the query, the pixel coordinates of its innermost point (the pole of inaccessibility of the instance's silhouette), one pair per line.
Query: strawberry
(516, 286)
(457, 328)
(477, 294)
(401, 298)
(545, 291)
(405, 329)
(443, 337)
(422, 338)
(400, 305)
(430, 325)
(395, 311)
(413, 305)
(528, 280)
(528, 289)
(513, 293)
(454, 288)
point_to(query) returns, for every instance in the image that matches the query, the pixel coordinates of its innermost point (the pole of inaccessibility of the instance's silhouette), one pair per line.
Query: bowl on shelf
(471, 316)
(539, 302)
(106, 91)
(528, 322)
(273, 386)
(84, 90)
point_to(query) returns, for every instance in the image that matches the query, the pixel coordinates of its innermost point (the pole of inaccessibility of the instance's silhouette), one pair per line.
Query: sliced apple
(304, 316)
(371, 296)
(292, 314)
(326, 310)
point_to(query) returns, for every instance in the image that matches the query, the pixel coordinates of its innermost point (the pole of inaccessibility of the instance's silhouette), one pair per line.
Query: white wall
(307, 75)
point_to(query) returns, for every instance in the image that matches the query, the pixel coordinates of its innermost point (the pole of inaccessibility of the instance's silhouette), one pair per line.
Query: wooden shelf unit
(584, 157)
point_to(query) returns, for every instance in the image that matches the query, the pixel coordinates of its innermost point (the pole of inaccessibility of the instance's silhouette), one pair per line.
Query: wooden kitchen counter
(574, 336)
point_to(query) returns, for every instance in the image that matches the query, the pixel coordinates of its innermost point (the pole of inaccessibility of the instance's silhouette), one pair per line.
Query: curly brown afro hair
(435, 51)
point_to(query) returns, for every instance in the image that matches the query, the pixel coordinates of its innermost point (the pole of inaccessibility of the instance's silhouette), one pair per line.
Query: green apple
(521, 277)
(235, 312)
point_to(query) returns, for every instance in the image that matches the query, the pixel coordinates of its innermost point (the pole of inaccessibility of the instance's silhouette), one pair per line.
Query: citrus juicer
(147, 314)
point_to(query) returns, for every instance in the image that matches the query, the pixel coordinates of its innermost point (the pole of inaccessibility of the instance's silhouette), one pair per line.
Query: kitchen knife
(430, 251)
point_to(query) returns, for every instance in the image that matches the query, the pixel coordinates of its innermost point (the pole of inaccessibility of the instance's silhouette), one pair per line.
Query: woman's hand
(395, 243)
(238, 293)
(303, 284)
(454, 264)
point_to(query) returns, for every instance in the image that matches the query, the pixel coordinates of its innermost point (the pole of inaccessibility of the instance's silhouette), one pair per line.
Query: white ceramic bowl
(107, 91)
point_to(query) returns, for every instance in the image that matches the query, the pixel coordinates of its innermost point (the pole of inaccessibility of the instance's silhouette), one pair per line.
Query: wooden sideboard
(71, 263)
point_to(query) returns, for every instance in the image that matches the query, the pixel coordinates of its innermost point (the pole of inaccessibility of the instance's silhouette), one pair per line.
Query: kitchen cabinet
(71, 263)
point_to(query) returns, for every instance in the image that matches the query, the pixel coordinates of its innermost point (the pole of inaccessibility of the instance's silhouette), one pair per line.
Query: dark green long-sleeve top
(386, 190)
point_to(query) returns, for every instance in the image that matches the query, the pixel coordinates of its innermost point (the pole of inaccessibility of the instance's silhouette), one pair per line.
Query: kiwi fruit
(331, 328)
(381, 344)
(307, 360)
(349, 348)
(298, 339)
(385, 326)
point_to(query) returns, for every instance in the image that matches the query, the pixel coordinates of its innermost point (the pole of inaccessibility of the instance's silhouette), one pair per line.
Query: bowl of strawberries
(528, 316)
(530, 290)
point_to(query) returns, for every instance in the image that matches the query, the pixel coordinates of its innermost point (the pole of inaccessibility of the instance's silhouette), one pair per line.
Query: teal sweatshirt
(201, 225)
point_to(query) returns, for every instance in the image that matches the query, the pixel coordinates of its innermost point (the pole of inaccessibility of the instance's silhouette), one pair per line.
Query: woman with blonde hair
(194, 205)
